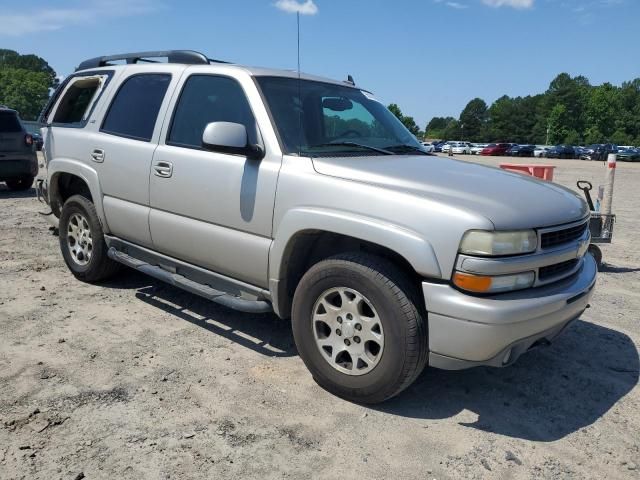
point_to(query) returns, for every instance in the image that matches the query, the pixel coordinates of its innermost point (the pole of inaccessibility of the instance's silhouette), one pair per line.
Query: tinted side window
(134, 109)
(205, 99)
(9, 122)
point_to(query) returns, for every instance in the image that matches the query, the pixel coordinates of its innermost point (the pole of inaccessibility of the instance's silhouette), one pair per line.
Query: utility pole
(548, 130)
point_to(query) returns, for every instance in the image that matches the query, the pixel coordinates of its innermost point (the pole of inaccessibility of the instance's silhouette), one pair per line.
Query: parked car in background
(461, 148)
(579, 152)
(437, 146)
(541, 150)
(428, 147)
(601, 152)
(476, 148)
(18, 161)
(521, 151)
(561, 151)
(629, 154)
(494, 149)
(446, 147)
(38, 141)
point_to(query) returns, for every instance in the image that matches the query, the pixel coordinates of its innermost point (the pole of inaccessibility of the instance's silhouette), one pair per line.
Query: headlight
(481, 242)
(493, 284)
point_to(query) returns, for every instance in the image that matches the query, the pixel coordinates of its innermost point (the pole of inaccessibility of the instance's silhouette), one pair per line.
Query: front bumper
(467, 331)
(18, 165)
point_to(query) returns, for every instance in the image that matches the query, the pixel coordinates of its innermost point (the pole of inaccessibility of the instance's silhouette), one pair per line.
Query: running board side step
(230, 301)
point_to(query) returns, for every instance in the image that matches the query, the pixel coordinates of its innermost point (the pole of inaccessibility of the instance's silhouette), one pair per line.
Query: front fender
(58, 166)
(406, 243)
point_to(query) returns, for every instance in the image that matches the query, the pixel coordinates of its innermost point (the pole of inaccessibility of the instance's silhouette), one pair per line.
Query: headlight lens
(493, 284)
(481, 242)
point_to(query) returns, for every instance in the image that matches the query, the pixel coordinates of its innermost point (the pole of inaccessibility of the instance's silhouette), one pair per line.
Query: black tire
(597, 255)
(403, 319)
(20, 184)
(100, 266)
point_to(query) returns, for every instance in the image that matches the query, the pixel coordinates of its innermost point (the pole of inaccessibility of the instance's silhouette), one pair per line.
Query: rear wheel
(82, 241)
(20, 184)
(359, 327)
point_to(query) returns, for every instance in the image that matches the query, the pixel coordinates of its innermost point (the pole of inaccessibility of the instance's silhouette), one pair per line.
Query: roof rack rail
(188, 57)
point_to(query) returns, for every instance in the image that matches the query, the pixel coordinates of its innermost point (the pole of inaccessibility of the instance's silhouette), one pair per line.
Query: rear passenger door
(123, 150)
(213, 209)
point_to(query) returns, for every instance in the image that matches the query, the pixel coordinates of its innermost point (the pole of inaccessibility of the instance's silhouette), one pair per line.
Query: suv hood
(509, 200)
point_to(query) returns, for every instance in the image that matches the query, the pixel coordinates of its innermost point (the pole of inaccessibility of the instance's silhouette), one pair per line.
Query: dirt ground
(136, 379)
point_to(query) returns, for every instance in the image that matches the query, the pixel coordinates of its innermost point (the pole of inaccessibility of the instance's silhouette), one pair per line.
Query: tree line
(571, 111)
(25, 83)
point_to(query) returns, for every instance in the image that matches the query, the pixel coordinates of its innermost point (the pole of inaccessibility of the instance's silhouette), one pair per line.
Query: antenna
(299, 92)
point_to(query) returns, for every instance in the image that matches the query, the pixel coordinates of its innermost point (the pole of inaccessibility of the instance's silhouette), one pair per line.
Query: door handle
(163, 169)
(97, 155)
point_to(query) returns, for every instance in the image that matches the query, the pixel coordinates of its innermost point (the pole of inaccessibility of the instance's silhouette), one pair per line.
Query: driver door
(212, 209)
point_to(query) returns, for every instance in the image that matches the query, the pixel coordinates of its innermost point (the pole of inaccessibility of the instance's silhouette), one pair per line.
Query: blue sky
(428, 56)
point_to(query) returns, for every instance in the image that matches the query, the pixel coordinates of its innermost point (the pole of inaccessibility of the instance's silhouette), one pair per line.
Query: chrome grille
(560, 237)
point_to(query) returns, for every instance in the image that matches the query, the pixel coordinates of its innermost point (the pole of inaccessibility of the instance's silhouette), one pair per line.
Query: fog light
(507, 357)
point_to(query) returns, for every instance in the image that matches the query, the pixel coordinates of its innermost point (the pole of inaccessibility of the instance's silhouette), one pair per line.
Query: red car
(496, 149)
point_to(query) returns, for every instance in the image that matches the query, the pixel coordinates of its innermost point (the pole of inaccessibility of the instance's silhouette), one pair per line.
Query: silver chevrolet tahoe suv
(265, 190)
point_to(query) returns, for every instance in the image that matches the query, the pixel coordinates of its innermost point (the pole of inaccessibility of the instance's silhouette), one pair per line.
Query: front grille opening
(557, 269)
(560, 237)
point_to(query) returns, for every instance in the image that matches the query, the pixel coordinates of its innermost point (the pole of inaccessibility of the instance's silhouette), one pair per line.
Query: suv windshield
(9, 122)
(321, 119)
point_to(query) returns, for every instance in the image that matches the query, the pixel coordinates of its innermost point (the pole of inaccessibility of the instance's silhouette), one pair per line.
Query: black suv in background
(18, 161)
(601, 152)
(521, 151)
(561, 151)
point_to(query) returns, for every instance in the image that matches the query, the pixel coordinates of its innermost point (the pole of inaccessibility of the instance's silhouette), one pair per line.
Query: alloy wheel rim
(348, 331)
(79, 239)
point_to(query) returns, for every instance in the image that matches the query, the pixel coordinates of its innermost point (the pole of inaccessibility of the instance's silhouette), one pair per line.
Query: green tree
(408, 122)
(473, 120)
(437, 127)
(25, 82)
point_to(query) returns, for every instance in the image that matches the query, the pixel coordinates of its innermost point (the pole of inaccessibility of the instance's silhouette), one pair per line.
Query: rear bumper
(18, 165)
(467, 331)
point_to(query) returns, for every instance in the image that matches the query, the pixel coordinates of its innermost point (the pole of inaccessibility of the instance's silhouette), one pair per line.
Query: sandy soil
(136, 379)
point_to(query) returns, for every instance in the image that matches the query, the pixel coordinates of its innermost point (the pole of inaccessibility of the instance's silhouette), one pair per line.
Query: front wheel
(359, 327)
(82, 241)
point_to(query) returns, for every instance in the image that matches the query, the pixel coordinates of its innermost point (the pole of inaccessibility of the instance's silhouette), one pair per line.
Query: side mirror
(228, 137)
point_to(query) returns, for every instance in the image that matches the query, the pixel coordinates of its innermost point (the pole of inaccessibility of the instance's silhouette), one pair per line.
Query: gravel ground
(136, 379)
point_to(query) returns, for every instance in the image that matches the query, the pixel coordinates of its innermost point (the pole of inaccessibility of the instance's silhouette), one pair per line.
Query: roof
(190, 57)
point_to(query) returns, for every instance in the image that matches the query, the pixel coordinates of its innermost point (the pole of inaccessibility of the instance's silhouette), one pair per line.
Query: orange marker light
(472, 283)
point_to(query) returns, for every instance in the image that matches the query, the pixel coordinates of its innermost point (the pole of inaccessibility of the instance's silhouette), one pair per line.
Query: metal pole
(607, 199)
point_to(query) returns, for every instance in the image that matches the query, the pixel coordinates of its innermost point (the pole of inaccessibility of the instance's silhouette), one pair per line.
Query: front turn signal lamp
(493, 284)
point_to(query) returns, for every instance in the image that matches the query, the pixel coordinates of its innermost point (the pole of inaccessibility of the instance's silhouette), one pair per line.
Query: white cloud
(520, 4)
(308, 7)
(23, 22)
(456, 5)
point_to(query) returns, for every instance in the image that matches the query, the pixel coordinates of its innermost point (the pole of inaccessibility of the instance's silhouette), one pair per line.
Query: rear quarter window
(9, 123)
(134, 109)
(77, 101)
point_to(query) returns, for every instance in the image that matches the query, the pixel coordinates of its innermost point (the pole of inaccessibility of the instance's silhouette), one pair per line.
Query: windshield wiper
(352, 144)
(404, 147)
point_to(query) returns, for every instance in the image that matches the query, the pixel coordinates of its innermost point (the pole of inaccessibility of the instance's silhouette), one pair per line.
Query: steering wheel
(349, 133)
